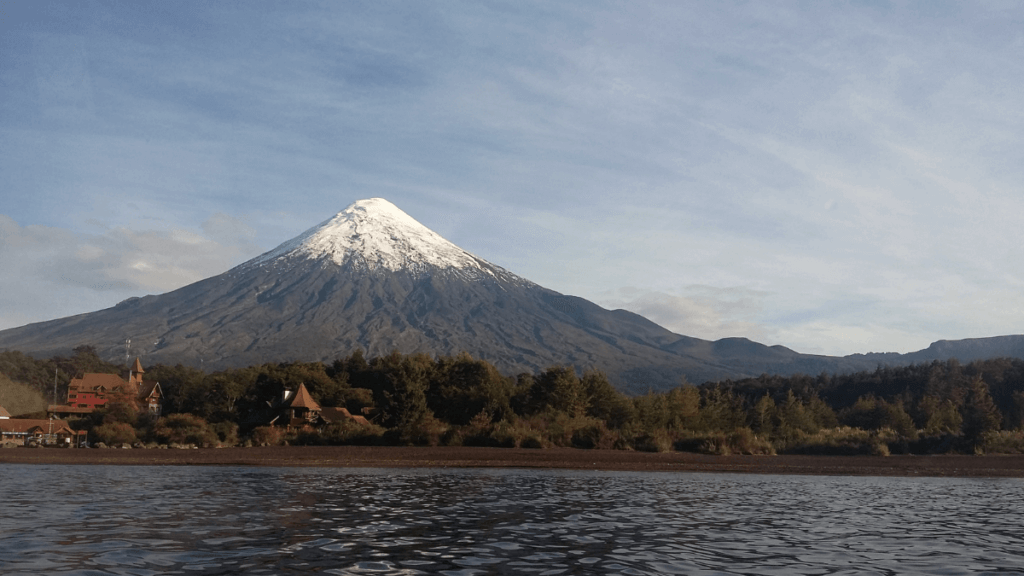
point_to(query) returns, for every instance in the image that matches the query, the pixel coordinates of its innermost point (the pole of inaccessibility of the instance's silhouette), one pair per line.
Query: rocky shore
(555, 458)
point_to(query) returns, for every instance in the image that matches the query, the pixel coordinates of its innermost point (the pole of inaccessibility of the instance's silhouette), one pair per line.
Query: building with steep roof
(92, 391)
(149, 395)
(296, 409)
(135, 373)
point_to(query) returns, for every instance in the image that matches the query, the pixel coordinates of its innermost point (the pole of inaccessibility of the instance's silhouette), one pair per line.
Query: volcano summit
(375, 235)
(374, 278)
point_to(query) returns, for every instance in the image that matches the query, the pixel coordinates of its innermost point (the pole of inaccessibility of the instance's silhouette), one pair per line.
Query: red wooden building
(93, 391)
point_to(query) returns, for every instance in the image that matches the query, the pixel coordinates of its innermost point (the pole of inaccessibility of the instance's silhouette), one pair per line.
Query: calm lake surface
(142, 520)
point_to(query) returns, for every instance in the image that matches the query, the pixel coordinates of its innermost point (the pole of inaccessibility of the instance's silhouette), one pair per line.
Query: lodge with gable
(93, 391)
(296, 410)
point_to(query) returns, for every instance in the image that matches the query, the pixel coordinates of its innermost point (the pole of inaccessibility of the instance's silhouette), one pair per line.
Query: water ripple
(99, 520)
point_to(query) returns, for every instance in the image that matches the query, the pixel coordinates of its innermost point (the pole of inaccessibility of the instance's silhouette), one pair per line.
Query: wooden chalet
(149, 394)
(296, 410)
(93, 391)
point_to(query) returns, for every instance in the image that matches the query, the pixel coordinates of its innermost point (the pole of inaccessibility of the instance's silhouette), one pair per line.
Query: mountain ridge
(373, 278)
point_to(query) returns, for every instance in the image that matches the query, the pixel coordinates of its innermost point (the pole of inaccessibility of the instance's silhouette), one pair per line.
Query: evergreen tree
(721, 410)
(764, 416)
(652, 412)
(980, 414)
(938, 416)
(683, 406)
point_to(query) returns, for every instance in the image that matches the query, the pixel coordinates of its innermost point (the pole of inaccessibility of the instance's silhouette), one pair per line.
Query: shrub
(454, 437)
(480, 431)
(560, 429)
(556, 426)
(427, 431)
(879, 449)
(345, 432)
(533, 440)
(739, 441)
(594, 435)
(185, 429)
(716, 444)
(267, 436)
(227, 433)
(842, 441)
(120, 409)
(114, 433)
(1003, 442)
(655, 441)
(508, 434)
(744, 441)
(936, 443)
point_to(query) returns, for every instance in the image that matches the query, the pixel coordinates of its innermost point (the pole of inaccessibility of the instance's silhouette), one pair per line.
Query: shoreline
(942, 465)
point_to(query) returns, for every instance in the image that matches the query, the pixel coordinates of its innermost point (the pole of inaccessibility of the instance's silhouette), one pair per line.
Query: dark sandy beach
(555, 458)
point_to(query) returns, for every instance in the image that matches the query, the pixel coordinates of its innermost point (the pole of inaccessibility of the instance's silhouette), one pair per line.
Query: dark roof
(25, 425)
(337, 414)
(302, 399)
(148, 388)
(93, 381)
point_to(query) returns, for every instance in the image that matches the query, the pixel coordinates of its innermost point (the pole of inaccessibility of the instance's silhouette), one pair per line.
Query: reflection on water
(225, 520)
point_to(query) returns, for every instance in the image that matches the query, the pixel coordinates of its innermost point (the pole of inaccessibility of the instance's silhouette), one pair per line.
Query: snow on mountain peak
(377, 234)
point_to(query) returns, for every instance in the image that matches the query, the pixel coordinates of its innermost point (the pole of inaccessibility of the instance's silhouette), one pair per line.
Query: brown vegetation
(20, 399)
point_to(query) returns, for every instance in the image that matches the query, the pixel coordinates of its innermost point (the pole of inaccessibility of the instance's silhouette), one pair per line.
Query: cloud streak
(84, 272)
(703, 311)
(852, 170)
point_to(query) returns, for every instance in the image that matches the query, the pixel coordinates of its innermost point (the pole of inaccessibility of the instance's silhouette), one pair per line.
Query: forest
(937, 407)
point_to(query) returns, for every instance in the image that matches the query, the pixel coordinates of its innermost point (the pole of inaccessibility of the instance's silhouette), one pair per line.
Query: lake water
(144, 520)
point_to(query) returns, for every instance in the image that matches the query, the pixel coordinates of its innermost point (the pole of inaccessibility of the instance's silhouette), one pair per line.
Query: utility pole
(128, 356)
(49, 438)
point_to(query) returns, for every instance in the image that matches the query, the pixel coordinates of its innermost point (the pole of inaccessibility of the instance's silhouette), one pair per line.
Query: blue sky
(835, 177)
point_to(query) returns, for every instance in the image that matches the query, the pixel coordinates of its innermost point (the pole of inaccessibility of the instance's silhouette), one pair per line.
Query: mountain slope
(373, 278)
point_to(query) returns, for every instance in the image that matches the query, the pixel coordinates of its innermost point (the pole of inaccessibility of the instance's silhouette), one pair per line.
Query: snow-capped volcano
(375, 279)
(377, 235)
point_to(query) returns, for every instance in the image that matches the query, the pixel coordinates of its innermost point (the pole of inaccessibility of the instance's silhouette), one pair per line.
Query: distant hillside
(964, 351)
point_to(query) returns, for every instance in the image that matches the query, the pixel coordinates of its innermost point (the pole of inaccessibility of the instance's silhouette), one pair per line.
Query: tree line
(417, 399)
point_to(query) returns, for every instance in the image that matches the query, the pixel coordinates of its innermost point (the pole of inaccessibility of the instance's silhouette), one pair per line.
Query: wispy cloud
(701, 311)
(852, 169)
(76, 272)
